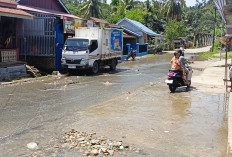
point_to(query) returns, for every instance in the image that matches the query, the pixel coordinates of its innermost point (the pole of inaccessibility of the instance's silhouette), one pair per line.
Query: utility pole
(222, 26)
(215, 9)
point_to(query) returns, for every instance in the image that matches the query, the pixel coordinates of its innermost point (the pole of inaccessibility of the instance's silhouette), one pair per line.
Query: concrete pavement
(194, 51)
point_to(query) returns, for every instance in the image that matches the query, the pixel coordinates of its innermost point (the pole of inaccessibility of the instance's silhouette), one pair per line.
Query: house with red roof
(41, 40)
(10, 15)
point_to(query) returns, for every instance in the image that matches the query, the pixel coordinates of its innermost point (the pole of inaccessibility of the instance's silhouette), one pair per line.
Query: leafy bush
(217, 45)
(160, 47)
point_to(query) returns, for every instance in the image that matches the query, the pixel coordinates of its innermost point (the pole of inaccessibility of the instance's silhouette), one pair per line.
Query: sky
(190, 2)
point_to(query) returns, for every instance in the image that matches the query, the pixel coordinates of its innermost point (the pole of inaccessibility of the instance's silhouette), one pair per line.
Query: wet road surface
(133, 102)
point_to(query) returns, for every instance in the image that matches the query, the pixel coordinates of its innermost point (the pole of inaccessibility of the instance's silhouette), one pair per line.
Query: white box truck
(93, 47)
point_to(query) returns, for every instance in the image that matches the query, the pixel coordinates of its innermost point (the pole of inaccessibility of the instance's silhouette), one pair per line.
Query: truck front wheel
(95, 67)
(113, 64)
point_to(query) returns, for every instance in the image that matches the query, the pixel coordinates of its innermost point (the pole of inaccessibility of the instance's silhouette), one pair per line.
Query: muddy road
(132, 104)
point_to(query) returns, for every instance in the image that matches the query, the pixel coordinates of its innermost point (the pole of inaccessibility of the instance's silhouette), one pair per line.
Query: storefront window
(7, 33)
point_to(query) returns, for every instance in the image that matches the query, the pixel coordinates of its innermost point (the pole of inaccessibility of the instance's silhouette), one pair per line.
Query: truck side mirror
(65, 47)
(57, 44)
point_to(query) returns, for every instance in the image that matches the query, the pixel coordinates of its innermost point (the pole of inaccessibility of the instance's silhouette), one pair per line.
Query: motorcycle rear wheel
(172, 88)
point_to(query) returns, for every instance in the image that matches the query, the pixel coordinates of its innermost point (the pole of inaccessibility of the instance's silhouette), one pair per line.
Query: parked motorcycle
(175, 79)
(132, 54)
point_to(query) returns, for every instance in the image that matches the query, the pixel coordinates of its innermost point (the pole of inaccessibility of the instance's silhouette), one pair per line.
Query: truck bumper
(75, 66)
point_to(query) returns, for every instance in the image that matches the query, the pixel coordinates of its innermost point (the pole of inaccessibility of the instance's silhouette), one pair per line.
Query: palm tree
(173, 9)
(92, 8)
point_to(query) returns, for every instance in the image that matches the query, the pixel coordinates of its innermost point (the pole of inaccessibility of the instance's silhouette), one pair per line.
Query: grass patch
(150, 55)
(215, 54)
(208, 54)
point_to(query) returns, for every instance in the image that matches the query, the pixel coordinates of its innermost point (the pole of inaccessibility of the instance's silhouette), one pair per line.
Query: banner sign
(116, 41)
(89, 23)
(71, 24)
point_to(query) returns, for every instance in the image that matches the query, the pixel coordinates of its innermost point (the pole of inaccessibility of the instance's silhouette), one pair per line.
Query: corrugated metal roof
(64, 6)
(99, 20)
(140, 26)
(10, 12)
(136, 34)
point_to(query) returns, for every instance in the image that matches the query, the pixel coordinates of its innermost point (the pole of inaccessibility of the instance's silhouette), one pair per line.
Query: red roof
(99, 20)
(47, 11)
(10, 12)
(128, 35)
(8, 3)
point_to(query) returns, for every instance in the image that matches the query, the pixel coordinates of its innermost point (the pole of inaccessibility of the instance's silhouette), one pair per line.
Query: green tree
(137, 15)
(116, 16)
(175, 29)
(92, 8)
(173, 9)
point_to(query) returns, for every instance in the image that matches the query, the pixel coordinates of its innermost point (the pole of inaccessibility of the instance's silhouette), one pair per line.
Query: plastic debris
(166, 131)
(121, 148)
(82, 145)
(107, 83)
(32, 145)
(151, 83)
(137, 70)
(66, 85)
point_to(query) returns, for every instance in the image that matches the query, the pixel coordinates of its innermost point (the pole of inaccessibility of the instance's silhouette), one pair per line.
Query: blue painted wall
(60, 42)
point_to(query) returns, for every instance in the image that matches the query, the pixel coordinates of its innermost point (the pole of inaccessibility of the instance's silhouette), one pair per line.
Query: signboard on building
(71, 24)
(90, 23)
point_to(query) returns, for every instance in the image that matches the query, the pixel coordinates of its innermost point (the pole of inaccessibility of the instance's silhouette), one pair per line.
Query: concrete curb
(24, 81)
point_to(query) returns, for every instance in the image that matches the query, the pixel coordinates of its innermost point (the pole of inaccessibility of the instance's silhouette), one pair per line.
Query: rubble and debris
(151, 83)
(92, 145)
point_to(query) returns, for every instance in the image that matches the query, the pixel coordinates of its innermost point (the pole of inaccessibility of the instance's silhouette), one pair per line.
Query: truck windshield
(76, 44)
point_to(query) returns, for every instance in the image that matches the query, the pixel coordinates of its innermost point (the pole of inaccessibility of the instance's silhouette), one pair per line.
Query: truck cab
(75, 54)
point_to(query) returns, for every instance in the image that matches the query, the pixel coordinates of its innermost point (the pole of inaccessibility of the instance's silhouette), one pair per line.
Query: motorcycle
(175, 79)
(132, 54)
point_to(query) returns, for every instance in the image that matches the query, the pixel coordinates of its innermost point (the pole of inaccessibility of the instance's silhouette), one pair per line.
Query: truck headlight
(63, 60)
(85, 62)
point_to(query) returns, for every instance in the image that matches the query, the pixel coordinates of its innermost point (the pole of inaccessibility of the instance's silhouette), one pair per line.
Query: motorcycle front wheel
(172, 88)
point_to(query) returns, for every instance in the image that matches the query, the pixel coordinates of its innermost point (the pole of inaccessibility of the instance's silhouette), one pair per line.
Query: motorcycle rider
(184, 63)
(176, 62)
